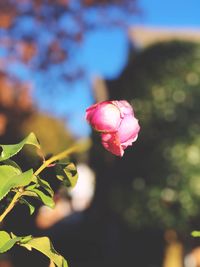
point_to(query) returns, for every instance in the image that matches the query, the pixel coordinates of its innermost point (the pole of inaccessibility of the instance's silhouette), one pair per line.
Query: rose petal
(104, 117)
(129, 142)
(89, 112)
(111, 143)
(117, 124)
(125, 107)
(128, 128)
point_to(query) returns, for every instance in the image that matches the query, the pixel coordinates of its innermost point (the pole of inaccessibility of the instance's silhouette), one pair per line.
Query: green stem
(11, 205)
(79, 147)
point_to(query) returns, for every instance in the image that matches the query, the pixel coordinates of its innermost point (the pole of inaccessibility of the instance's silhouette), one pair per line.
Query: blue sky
(173, 13)
(103, 52)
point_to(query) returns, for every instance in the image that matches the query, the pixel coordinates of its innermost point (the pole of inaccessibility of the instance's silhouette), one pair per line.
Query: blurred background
(57, 57)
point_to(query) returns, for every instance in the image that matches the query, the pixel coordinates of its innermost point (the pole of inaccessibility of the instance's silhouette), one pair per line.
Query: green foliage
(27, 185)
(9, 151)
(28, 204)
(45, 185)
(6, 242)
(46, 199)
(163, 83)
(42, 244)
(195, 233)
(11, 177)
(67, 173)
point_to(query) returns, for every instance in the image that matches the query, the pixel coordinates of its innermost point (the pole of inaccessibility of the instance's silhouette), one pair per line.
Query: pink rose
(117, 124)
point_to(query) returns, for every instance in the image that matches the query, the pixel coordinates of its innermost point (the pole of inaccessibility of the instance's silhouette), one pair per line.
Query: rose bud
(116, 122)
(104, 116)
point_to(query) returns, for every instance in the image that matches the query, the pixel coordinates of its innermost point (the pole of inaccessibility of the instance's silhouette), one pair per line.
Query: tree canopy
(164, 166)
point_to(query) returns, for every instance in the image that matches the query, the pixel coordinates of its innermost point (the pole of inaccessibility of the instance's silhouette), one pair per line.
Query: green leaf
(44, 245)
(67, 173)
(38, 182)
(4, 238)
(35, 192)
(30, 194)
(45, 185)
(195, 233)
(12, 163)
(10, 150)
(46, 199)
(28, 204)
(6, 242)
(10, 177)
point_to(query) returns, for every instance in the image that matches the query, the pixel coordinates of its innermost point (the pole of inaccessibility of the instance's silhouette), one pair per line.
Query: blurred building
(141, 37)
(144, 36)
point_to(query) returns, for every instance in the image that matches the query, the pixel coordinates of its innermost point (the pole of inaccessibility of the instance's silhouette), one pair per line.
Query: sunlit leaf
(67, 173)
(4, 238)
(35, 192)
(195, 233)
(38, 182)
(12, 163)
(10, 177)
(6, 242)
(10, 150)
(28, 204)
(45, 185)
(44, 245)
